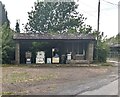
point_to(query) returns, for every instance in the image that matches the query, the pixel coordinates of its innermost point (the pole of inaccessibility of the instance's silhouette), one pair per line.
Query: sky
(17, 10)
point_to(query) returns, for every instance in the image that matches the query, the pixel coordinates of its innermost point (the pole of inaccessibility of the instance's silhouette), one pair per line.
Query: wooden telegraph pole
(98, 23)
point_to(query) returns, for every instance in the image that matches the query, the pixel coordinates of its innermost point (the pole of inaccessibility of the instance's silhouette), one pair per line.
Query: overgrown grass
(106, 64)
(14, 65)
(17, 77)
(8, 93)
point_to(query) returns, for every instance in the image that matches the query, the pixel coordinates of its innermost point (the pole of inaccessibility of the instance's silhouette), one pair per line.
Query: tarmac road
(110, 89)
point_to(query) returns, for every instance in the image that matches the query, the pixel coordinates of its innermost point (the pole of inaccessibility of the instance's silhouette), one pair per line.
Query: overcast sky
(17, 9)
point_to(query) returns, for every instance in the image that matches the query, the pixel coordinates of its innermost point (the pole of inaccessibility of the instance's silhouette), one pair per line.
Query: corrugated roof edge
(20, 36)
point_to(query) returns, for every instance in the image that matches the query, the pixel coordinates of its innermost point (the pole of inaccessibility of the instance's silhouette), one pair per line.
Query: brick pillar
(17, 53)
(90, 52)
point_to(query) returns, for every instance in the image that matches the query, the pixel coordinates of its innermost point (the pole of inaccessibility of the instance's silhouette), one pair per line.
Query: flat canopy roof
(48, 36)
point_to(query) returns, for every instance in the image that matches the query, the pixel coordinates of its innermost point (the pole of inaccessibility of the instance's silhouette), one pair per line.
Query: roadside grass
(15, 76)
(17, 93)
(102, 64)
(106, 64)
(8, 93)
(14, 65)
(57, 65)
(21, 76)
(18, 76)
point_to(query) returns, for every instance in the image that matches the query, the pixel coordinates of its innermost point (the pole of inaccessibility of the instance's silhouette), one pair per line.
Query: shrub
(102, 55)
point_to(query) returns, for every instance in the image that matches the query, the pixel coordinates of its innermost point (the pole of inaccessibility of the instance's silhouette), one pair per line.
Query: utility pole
(98, 23)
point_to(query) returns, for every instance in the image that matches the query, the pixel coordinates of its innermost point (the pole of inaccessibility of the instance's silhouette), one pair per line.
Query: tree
(101, 48)
(58, 17)
(7, 44)
(17, 29)
(4, 17)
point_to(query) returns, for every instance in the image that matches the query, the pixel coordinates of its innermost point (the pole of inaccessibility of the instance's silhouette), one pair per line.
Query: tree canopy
(58, 17)
(7, 44)
(4, 15)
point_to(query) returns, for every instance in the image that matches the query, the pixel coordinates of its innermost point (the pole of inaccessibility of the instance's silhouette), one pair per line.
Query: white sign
(40, 57)
(68, 56)
(49, 60)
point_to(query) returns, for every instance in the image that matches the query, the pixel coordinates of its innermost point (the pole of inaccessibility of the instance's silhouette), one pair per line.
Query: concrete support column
(90, 52)
(17, 53)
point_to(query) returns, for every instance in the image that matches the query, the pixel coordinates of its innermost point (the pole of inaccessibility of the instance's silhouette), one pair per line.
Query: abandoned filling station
(62, 48)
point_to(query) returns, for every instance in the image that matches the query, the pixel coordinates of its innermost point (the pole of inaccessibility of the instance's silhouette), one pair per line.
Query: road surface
(110, 89)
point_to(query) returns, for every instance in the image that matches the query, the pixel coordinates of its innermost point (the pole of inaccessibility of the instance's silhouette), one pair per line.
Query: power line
(111, 3)
(104, 9)
(88, 13)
